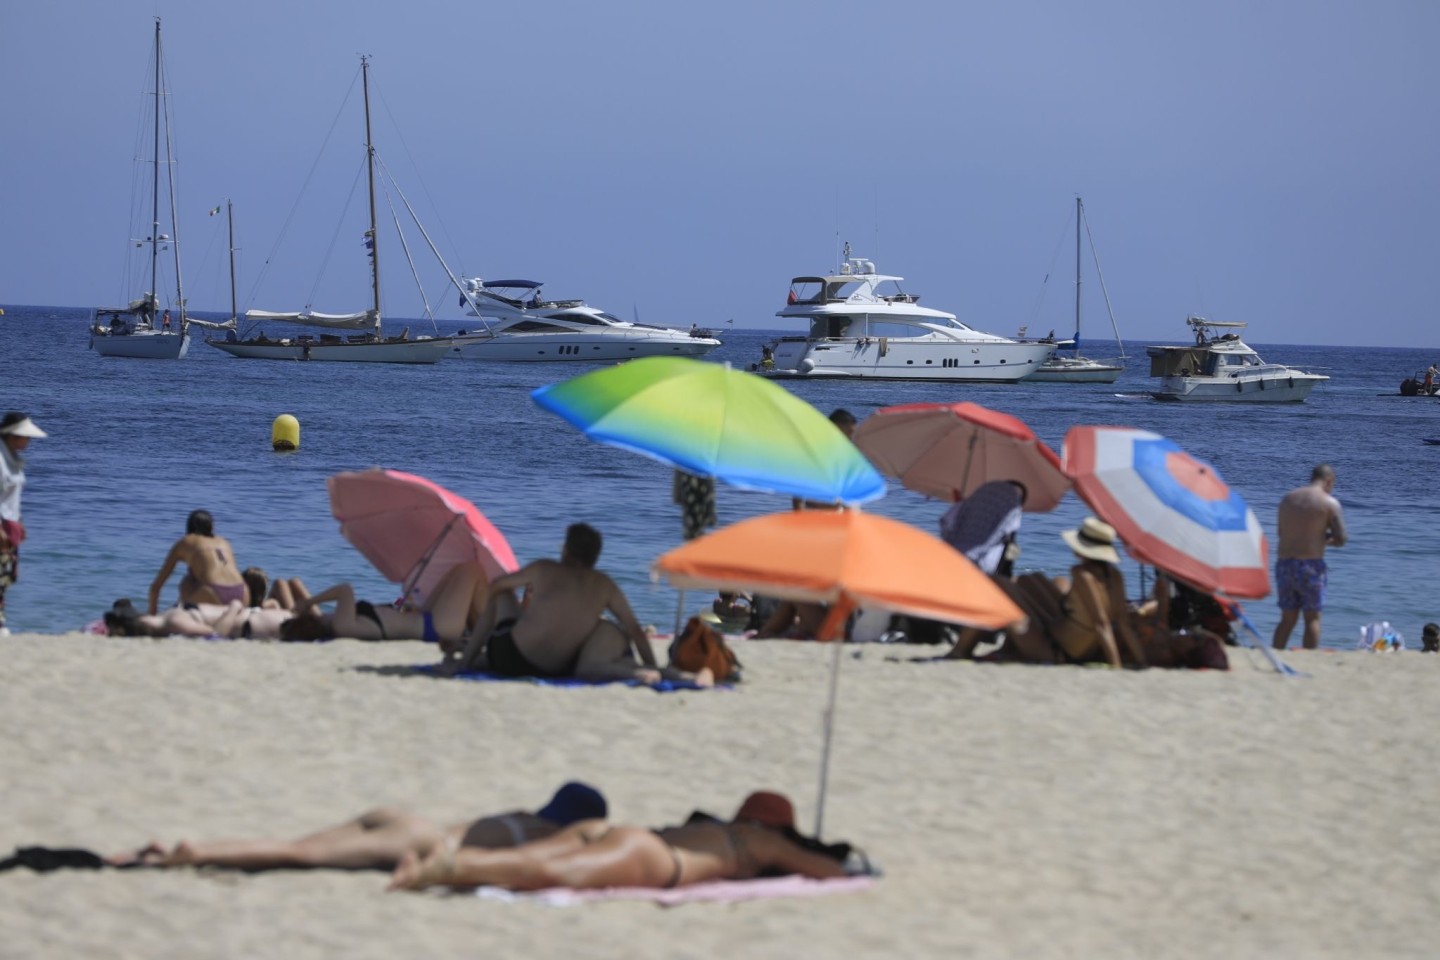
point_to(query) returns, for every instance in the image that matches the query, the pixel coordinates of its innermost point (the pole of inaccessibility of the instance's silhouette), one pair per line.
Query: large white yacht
(863, 325)
(520, 325)
(1220, 366)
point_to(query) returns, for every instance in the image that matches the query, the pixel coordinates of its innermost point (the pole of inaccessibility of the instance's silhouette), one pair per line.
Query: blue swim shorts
(1300, 584)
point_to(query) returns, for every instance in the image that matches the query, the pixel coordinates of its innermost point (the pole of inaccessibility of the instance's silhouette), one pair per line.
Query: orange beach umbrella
(847, 559)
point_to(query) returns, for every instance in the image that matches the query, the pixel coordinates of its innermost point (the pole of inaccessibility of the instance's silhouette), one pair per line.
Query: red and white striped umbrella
(1172, 510)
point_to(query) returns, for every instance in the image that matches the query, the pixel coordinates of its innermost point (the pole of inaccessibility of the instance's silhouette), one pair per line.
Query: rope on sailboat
(304, 188)
(429, 242)
(1095, 255)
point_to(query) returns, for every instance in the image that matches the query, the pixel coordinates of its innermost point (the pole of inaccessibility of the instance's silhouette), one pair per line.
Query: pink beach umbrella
(412, 530)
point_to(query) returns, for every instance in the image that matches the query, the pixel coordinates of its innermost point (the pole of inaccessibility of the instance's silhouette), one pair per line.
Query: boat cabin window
(806, 290)
(584, 319)
(537, 326)
(838, 291)
(822, 328)
(880, 328)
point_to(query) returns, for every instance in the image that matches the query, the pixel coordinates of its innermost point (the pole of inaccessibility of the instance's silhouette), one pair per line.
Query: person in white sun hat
(16, 432)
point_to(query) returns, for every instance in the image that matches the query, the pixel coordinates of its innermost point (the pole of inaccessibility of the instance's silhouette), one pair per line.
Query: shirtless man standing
(212, 577)
(1309, 520)
(558, 630)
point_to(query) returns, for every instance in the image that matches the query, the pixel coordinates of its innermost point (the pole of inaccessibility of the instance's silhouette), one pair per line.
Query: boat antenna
(370, 237)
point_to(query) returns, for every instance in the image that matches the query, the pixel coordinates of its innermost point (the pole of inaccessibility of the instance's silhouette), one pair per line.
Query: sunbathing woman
(593, 854)
(212, 576)
(1095, 606)
(233, 620)
(1069, 620)
(378, 839)
(449, 612)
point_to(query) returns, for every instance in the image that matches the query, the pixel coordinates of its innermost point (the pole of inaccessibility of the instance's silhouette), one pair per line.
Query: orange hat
(770, 809)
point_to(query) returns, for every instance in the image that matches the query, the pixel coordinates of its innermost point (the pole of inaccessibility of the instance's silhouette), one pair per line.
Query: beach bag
(1380, 637)
(698, 646)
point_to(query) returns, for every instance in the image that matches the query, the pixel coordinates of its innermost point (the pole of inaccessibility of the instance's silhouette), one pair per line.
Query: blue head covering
(572, 802)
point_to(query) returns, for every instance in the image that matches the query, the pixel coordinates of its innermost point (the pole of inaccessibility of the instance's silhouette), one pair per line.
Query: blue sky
(1272, 162)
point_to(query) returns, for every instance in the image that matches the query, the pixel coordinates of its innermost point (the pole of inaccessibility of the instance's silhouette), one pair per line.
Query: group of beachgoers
(566, 618)
(570, 842)
(547, 619)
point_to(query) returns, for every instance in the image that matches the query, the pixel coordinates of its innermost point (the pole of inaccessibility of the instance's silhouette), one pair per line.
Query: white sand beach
(1017, 811)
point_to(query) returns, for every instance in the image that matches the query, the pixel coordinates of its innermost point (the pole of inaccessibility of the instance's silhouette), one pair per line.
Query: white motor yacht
(1220, 366)
(863, 325)
(522, 326)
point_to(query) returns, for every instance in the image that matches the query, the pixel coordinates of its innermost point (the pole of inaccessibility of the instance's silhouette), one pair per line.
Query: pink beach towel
(718, 891)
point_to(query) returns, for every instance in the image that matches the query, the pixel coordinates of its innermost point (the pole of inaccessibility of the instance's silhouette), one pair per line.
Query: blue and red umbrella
(1171, 509)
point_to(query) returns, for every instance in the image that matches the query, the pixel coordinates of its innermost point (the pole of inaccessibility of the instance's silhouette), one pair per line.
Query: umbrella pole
(829, 729)
(833, 631)
(415, 574)
(679, 611)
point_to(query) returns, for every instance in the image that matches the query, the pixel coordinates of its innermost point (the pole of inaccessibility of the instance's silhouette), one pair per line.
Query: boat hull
(1289, 388)
(381, 351)
(917, 358)
(563, 348)
(144, 345)
(1069, 370)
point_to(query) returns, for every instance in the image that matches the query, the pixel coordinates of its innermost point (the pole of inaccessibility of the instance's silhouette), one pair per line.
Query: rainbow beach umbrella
(1172, 510)
(713, 421)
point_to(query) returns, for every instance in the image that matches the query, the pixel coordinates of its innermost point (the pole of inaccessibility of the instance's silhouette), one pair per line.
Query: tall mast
(155, 190)
(1079, 213)
(370, 172)
(230, 222)
(170, 187)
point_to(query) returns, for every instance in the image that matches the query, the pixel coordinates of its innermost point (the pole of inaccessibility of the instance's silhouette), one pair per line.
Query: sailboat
(135, 330)
(1072, 367)
(369, 347)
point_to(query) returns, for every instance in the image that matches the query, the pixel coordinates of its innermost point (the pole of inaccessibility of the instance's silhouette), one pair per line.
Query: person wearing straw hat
(16, 432)
(1094, 599)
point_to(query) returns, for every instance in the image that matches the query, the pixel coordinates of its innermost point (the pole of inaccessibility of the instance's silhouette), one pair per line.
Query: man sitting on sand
(593, 854)
(558, 631)
(377, 840)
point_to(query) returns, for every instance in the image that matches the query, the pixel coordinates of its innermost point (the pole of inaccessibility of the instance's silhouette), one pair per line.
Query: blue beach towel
(481, 676)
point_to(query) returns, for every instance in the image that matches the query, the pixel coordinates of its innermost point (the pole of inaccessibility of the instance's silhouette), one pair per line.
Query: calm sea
(136, 445)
